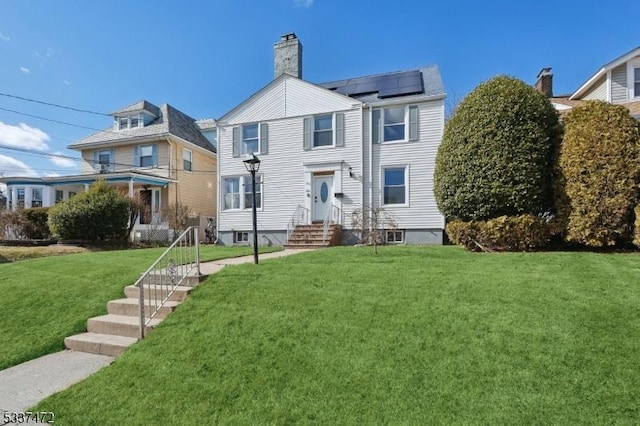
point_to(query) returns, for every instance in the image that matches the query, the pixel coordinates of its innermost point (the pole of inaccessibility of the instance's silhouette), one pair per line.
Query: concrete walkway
(24, 385)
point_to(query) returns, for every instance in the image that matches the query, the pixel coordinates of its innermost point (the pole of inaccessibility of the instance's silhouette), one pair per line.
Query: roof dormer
(134, 116)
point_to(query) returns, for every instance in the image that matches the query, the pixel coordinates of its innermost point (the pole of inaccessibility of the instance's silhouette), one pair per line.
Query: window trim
(33, 198)
(138, 156)
(240, 240)
(242, 138)
(184, 161)
(20, 203)
(407, 192)
(61, 199)
(314, 131)
(241, 192)
(394, 232)
(127, 121)
(631, 81)
(405, 123)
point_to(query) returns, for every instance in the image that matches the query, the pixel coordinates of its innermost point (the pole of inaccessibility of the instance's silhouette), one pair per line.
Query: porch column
(14, 199)
(131, 188)
(86, 187)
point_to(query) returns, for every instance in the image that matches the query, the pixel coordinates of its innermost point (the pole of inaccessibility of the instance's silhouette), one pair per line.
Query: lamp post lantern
(252, 164)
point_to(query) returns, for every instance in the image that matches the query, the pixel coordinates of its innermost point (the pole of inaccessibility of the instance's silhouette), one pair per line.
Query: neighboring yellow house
(157, 153)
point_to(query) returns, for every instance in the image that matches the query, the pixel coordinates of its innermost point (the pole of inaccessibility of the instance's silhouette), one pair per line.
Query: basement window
(240, 237)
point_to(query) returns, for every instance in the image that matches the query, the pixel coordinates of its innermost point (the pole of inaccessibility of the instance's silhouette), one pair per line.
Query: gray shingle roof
(431, 85)
(139, 106)
(170, 121)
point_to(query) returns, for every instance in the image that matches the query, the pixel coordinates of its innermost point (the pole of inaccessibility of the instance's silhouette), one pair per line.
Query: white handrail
(167, 273)
(300, 215)
(333, 216)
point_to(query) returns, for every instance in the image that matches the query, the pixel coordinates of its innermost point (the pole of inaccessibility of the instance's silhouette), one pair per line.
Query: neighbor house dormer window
(131, 121)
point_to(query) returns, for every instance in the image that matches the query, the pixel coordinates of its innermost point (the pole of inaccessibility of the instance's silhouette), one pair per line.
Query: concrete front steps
(113, 333)
(310, 237)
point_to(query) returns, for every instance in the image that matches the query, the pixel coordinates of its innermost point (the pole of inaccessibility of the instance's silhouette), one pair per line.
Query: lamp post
(252, 164)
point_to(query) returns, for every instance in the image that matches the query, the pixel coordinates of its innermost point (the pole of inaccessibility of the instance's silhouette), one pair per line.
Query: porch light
(252, 164)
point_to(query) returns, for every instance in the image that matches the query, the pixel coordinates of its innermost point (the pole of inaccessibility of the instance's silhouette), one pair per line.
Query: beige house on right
(617, 82)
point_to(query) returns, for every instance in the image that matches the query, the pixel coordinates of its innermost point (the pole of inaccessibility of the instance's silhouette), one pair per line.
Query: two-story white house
(329, 150)
(617, 82)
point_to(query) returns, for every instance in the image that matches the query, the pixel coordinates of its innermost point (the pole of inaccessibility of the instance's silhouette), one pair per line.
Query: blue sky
(205, 57)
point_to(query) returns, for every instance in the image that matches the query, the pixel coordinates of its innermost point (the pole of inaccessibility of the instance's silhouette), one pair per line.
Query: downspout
(361, 157)
(370, 169)
(176, 177)
(218, 182)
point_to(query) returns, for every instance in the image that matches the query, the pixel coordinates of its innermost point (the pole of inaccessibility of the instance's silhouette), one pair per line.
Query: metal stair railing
(301, 215)
(160, 281)
(333, 216)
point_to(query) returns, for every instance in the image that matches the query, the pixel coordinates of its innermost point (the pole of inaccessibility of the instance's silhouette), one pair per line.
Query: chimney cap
(544, 71)
(288, 36)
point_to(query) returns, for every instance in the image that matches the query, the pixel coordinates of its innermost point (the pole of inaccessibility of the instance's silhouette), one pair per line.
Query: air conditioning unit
(101, 168)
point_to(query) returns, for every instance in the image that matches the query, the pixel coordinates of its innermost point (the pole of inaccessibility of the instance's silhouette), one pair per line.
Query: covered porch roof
(113, 178)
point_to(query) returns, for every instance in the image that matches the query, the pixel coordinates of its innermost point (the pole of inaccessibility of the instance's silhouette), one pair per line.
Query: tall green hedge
(100, 214)
(496, 154)
(599, 165)
(36, 226)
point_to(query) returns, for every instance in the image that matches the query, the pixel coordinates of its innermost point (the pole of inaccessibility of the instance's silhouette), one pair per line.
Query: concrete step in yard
(163, 279)
(119, 325)
(129, 307)
(101, 344)
(180, 294)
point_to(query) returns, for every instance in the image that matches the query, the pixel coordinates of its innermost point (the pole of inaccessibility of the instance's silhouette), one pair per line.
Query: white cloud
(66, 82)
(303, 3)
(61, 161)
(4, 37)
(12, 167)
(50, 52)
(51, 174)
(25, 70)
(23, 136)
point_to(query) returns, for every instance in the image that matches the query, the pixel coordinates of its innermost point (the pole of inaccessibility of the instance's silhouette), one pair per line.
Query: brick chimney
(287, 56)
(544, 84)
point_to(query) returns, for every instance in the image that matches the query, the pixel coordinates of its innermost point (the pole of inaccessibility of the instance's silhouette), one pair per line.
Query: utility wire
(53, 105)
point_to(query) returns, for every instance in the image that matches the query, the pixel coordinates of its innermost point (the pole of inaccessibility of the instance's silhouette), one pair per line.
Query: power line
(53, 104)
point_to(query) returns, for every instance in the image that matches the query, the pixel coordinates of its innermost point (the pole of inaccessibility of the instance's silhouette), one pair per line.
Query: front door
(322, 197)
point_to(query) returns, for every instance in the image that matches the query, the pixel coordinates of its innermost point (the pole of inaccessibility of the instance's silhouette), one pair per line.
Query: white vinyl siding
(283, 171)
(619, 84)
(422, 211)
(599, 90)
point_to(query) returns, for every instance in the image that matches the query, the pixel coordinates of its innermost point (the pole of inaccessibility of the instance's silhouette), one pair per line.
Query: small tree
(372, 225)
(599, 173)
(100, 214)
(496, 153)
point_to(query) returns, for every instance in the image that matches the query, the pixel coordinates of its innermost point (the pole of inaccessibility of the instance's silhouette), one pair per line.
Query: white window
(103, 160)
(186, 159)
(59, 196)
(395, 188)
(240, 237)
(395, 124)
(238, 193)
(36, 197)
(129, 122)
(72, 194)
(20, 197)
(250, 139)
(395, 237)
(323, 130)
(636, 82)
(146, 156)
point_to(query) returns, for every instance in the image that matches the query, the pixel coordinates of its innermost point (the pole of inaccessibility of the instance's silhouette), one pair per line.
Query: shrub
(36, 226)
(100, 214)
(599, 165)
(511, 233)
(496, 153)
(12, 225)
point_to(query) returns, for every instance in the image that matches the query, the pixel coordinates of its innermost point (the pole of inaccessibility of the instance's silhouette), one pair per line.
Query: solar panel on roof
(386, 85)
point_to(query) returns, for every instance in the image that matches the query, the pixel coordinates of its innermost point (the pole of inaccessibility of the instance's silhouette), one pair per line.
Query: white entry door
(322, 197)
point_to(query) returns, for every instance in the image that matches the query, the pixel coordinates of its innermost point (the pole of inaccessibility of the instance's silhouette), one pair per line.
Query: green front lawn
(411, 336)
(44, 300)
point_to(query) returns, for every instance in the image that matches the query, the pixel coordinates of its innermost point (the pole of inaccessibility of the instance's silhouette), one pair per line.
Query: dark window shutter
(95, 159)
(236, 141)
(375, 126)
(136, 156)
(154, 155)
(340, 129)
(264, 138)
(413, 123)
(307, 134)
